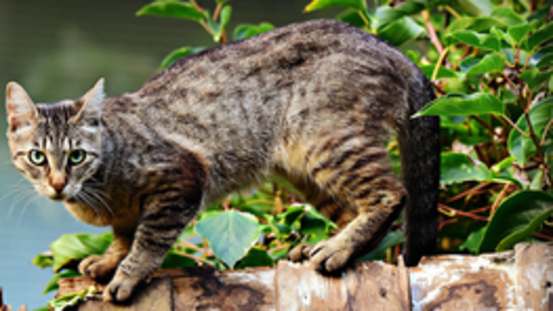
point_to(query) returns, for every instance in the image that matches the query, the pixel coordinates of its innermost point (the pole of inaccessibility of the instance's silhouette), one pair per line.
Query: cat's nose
(58, 182)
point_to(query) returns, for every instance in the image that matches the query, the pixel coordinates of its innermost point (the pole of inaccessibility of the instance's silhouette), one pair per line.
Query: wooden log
(515, 280)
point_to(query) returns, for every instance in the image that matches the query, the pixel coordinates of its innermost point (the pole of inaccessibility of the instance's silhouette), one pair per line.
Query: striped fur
(313, 102)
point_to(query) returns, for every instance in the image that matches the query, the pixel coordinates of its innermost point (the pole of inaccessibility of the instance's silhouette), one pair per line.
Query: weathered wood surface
(518, 280)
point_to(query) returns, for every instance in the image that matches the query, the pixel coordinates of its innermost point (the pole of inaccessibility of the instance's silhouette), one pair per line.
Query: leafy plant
(491, 64)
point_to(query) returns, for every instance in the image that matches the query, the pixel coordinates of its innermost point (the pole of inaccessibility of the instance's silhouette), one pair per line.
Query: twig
(485, 125)
(432, 32)
(206, 27)
(546, 130)
(443, 54)
(514, 126)
(195, 258)
(469, 191)
(217, 11)
(452, 11)
(499, 198)
(447, 222)
(462, 213)
(199, 8)
(542, 236)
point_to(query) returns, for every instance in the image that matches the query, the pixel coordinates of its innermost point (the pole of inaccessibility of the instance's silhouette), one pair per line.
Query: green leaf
(522, 148)
(485, 41)
(478, 24)
(490, 63)
(177, 54)
(43, 260)
(244, 31)
(515, 219)
(468, 62)
(458, 167)
(506, 15)
(170, 8)
(72, 299)
(352, 17)
(73, 247)
(401, 31)
(386, 14)
(256, 257)
(463, 105)
(391, 239)
(541, 35)
(175, 259)
(473, 240)
(519, 32)
(224, 20)
(315, 225)
(231, 234)
(325, 4)
(53, 283)
(443, 72)
(534, 77)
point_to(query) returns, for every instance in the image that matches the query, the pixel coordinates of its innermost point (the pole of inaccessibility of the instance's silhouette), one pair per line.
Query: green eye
(37, 157)
(77, 156)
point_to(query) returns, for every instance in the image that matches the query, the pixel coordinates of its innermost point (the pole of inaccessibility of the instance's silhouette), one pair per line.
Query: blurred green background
(57, 49)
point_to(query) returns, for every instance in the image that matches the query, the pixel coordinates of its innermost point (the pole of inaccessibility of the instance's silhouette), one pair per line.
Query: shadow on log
(520, 279)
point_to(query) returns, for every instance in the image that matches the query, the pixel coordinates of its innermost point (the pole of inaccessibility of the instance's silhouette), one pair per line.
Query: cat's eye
(77, 156)
(37, 157)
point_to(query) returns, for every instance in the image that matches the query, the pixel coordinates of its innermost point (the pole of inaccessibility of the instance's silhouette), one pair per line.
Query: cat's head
(57, 147)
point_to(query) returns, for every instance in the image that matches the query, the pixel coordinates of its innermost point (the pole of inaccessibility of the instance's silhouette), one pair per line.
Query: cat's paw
(120, 288)
(99, 268)
(299, 253)
(331, 256)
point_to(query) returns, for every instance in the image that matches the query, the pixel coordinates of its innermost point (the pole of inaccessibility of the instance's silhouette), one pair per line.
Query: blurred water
(57, 49)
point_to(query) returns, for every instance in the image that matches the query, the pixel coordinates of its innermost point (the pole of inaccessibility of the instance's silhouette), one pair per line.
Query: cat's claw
(98, 268)
(330, 256)
(299, 253)
(120, 288)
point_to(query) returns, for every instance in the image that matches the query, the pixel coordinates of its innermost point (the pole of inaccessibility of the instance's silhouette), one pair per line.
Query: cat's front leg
(165, 214)
(102, 267)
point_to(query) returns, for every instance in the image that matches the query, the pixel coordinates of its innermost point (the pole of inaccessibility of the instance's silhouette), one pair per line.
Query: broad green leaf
(53, 283)
(463, 105)
(475, 7)
(500, 34)
(391, 239)
(478, 24)
(221, 2)
(458, 167)
(534, 77)
(170, 8)
(325, 4)
(401, 31)
(174, 259)
(386, 14)
(522, 148)
(352, 17)
(473, 240)
(506, 15)
(231, 234)
(177, 54)
(486, 41)
(542, 57)
(443, 72)
(490, 63)
(73, 247)
(256, 257)
(515, 219)
(244, 31)
(315, 225)
(468, 62)
(519, 32)
(541, 35)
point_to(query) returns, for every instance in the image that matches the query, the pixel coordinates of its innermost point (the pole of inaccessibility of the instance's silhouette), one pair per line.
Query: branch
(432, 32)
(462, 213)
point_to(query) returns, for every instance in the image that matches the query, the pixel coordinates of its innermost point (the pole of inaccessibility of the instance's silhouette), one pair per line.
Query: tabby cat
(313, 102)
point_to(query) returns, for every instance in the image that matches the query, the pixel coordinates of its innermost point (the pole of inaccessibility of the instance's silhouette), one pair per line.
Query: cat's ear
(21, 111)
(90, 105)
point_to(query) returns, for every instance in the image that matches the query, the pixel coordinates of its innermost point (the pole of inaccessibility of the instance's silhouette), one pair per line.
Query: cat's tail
(419, 143)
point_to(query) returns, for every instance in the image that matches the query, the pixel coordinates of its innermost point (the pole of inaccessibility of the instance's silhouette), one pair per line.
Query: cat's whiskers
(97, 195)
(22, 193)
(33, 197)
(86, 198)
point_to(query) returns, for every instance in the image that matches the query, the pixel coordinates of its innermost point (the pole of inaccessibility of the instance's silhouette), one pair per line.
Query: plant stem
(432, 32)
(514, 126)
(545, 131)
(499, 198)
(469, 191)
(443, 54)
(462, 213)
(217, 11)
